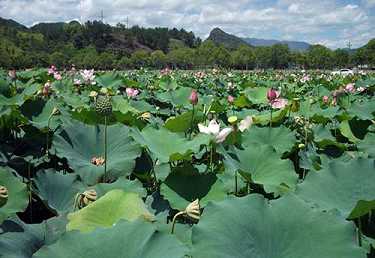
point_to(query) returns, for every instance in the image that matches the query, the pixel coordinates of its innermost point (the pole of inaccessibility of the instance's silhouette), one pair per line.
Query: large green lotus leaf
(185, 185)
(325, 114)
(166, 145)
(17, 194)
(45, 118)
(108, 210)
(58, 190)
(121, 104)
(25, 239)
(347, 131)
(264, 117)
(124, 184)
(182, 123)
(280, 138)
(341, 185)
(263, 165)
(363, 110)
(125, 240)
(285, 228)
(257, 95)
(179, 97)
(109, 80)
(79, 143)
(323, 137)
(368, 144)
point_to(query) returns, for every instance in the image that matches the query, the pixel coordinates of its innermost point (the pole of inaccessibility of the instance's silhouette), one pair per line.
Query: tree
(341, 58)
(280, 56)
(221, 56)
(158, 59)
(243, 57)
(319, 57)
(140, 58)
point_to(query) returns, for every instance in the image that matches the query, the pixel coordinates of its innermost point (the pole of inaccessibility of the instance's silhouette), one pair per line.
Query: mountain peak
(230, 41)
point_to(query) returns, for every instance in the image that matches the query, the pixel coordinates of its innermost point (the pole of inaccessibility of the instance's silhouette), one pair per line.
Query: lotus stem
(191, 123)
(29, 190)
(174, 219)
(235, 183)
(105, 148)
(359, 232)
(271, 118)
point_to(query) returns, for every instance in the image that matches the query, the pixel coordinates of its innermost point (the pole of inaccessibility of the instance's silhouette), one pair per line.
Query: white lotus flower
(213, 128)
(245, 123)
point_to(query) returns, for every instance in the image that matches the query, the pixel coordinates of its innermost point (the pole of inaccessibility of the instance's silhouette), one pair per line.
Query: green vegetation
(101, 46)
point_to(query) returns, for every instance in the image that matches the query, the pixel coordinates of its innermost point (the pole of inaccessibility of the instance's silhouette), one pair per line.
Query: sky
(333, 23)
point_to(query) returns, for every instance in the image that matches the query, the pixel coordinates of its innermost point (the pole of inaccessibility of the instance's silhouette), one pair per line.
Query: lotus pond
(166, 164)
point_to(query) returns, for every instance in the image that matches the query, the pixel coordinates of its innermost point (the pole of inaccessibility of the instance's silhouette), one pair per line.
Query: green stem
(47, 137)
(30, 193)
(105, 148)
(271, 117)
(359, 232)
(191, 123)
(174, 220)
(235, 183)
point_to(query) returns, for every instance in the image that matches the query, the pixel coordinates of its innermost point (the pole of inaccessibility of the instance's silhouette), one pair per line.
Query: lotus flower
(274, 99)
(245, 123)
(325, 99)
(361, 89)
(12, 74)
(230, 99)
(51, 70)
(166, 71)
(350, 88)
(57, 76)
(213, 128)
(193, 98)
(131, 93)
(46, 89)
(77, 82)
(88, 76)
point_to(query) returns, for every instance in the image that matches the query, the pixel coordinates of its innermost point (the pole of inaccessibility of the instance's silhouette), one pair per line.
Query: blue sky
(330, 22)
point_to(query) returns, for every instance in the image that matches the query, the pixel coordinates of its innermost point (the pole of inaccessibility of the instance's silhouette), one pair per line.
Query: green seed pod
(103, 105)
(3, 195)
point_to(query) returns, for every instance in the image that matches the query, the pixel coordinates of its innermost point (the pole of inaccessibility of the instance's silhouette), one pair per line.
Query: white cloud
(316, 21)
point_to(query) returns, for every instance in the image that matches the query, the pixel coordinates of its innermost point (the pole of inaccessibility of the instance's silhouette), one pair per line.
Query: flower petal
(245, 123)
(222, 135)
(214, 127)
(204, 129)
(279, 103)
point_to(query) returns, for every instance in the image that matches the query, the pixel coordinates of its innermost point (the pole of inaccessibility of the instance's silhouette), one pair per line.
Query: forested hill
(23, 45)
(102, 46)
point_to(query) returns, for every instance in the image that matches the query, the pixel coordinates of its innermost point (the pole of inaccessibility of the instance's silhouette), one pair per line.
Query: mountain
(11, 24)
(230, 41)
(293, 45)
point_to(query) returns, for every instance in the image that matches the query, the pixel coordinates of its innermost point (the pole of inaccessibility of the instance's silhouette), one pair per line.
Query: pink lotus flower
(193, 98)
(274, 99)
(325, 99)
(350, 88)
(230, 99)
(131, 93)
(361, 89)
(77, 82)
(166, 71)
(51, 70)
(213, 129)
(305, 78)
(57, 76)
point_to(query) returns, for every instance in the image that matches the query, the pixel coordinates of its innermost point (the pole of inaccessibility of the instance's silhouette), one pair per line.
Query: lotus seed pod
(3, 195)
(88, 197)
(193, 210)
(104, 91)
(103, 105)
(232, 119)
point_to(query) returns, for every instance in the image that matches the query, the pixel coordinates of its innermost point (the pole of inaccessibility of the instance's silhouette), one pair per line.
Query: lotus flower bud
(301, 145)
(193, 210)
(12, 74)
(271, 94)
(325, 99)
(230, 99)
(193, 97)
(3, 195)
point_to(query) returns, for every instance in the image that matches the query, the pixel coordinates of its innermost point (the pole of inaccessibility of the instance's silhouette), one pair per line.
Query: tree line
(101, 46)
